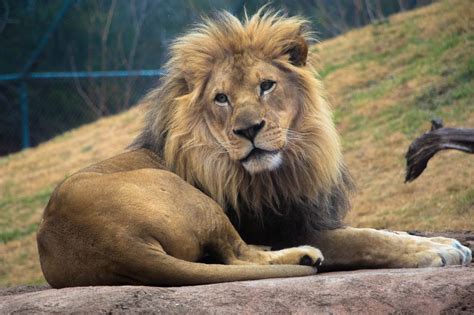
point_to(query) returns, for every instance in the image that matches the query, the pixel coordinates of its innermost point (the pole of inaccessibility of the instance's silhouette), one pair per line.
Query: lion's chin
(263, 161)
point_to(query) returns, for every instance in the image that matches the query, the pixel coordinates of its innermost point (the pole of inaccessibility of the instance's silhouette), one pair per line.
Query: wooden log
(423, 148)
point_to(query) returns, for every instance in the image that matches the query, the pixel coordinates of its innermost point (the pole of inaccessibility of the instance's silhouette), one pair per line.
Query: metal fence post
(25, 123)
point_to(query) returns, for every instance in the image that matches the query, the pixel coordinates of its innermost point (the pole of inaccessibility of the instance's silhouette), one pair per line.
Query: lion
(238, 148)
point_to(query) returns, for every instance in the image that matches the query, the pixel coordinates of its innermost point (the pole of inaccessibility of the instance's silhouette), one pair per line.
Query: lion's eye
(267, 86)
(221, 99)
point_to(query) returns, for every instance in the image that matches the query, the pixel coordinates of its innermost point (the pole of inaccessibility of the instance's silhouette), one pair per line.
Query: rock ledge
(431, 290)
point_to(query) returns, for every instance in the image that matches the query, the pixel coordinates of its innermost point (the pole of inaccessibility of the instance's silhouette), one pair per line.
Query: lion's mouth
(257, 153)
(259, 160)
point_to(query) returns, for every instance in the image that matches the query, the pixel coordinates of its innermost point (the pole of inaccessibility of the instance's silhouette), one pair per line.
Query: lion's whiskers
(292, 134)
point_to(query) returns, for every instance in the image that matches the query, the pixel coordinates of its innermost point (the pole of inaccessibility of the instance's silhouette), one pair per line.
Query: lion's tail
(168, 270)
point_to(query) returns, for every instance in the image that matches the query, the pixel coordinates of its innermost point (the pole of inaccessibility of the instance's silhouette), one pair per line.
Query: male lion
(239, 147)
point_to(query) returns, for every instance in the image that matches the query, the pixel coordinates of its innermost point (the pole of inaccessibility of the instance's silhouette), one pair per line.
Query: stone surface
(411, 291)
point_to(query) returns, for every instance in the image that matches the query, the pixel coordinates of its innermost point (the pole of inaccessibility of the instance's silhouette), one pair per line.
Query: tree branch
(138, 20)
(82, 93)
(6, 14)
(438, 138)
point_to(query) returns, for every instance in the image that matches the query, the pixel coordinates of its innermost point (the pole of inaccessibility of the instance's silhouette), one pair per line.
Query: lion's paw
(452, 251)
(302, 255)
(311, 256)
(437, 252)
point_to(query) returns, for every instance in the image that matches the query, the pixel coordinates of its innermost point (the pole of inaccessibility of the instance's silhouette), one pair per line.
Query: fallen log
(423, 148)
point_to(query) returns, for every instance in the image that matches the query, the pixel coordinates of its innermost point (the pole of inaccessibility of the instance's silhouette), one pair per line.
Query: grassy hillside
(385, 83)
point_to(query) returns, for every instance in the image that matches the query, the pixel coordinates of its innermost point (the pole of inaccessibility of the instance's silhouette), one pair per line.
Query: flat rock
(411, 291)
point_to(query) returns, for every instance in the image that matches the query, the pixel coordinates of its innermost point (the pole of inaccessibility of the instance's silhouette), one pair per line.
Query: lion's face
(241, 98)
(250, 107)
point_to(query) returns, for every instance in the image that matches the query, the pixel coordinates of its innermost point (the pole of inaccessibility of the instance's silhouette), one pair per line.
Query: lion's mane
(308, 192)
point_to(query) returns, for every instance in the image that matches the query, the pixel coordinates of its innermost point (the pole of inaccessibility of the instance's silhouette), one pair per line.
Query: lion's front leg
(351, 248)
(245, 254)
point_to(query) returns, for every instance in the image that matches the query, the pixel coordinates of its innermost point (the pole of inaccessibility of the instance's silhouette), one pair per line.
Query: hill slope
(385, 83)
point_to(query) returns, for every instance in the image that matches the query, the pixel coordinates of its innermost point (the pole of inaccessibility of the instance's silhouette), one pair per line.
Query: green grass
(18, 217)
(86, 148)
(4, 159)
(410, 114)
(10, 235)
(465, 204)
(360, 58)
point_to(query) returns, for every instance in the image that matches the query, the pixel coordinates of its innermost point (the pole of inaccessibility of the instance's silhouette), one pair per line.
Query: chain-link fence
(56, 105)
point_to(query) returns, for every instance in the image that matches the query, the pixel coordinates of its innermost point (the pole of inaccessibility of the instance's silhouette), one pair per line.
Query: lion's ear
(298, 52)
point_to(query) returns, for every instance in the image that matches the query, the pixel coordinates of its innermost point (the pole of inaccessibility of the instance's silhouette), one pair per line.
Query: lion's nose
(250, 132)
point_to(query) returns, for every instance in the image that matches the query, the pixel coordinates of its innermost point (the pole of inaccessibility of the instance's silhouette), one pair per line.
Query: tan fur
(121, 222)
(150, 215)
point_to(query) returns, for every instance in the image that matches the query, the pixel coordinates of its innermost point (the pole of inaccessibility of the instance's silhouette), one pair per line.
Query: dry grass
(385, 83)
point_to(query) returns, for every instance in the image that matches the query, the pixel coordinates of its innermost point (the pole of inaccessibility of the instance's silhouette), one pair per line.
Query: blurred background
(64, 63)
